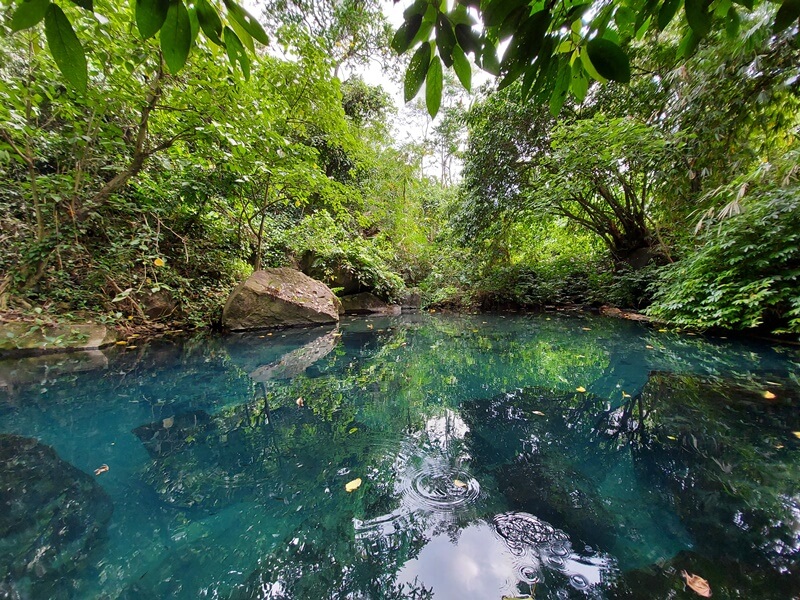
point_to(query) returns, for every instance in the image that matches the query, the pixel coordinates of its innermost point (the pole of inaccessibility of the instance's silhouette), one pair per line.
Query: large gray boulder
(366, 303)
(279, 298)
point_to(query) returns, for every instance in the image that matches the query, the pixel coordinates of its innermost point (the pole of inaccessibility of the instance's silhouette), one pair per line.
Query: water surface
(553, 455)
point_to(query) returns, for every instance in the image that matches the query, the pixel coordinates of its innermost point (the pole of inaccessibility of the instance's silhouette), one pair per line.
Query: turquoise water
(562, 456)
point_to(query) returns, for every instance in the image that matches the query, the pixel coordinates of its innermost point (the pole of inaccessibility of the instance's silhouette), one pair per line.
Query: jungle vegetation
(632, 153)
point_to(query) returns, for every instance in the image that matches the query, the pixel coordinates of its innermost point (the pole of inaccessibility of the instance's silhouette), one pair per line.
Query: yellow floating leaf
(100, 470)
(158, 262)
(459, 484)
(672, 437)
(580, 389)
(796, 434)
(624, 395)
(698, 584)
(122, 343)
(353, 485)
(353, 430)
(662, 331)
(538, 412)
(769, 395)
(649, 347)
(586, 328)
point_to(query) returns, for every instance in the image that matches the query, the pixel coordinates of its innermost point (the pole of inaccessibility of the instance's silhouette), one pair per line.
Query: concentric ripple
(437, 486)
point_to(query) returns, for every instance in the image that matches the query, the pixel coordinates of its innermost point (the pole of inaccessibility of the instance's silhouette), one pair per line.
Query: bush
(745, 274)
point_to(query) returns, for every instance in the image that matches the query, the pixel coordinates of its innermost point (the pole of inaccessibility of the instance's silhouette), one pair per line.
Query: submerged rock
(20, 338)
(279, 298)
(367, 303)
(52, 515)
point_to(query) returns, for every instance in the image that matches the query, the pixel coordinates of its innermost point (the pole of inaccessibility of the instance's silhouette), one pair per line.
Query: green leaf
(209, 21)
(194, 22)
(176, 37)
(85, 4)
(401, 41)
(417, 69)
(667, 12)
(244, 37)
(236, 52)
(28, 14)
(559, 94)
(688, 44)
(445, 40)
(732, 24)
(248, 22)
(589, 67)
(467, 38)
(697, 16)
(609, 60)
(433, 87)
(150, 16)
(578, 82)
(462, 68)
(786, 15)
(489, 62)
(65, 48)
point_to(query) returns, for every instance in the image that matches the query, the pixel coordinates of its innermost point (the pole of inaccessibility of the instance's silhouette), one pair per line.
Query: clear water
(485, 471)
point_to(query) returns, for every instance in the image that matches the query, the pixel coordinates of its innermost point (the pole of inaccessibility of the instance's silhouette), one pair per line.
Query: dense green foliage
(160, 176)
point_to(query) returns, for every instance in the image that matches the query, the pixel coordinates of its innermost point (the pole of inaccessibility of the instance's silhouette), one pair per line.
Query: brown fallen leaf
(353, 485)
(698, 584)
(168, 422)
(300, 402)
(101, 469)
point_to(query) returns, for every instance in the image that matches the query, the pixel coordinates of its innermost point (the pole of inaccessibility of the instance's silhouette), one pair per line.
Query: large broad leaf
(559, 95)
(209, 21)
(462, 68)
(579, 84)
(236, 52)
(247, 40)
(589, 68)
(445, 40)
(433, 87)
(467, 38)
(65, 48)
(176, 37)
(150, 16)
(697, 16)
(787, 14)
(248, 22)
(417, 69)
(609, 60)
(406, 32)
(667, 12)
(28, 14)
(85, 4)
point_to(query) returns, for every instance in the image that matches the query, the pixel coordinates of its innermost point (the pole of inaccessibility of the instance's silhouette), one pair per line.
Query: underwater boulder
(51, 516)
(280, 297)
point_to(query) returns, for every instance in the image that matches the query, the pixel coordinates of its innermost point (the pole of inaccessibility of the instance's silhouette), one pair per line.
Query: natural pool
(560, 455)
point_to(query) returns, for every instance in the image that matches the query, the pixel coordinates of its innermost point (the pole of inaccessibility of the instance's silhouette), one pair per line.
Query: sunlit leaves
(462, 68)
(65, 48)
(176, 36)
(28, 14)
(247, 22)
(150, 16)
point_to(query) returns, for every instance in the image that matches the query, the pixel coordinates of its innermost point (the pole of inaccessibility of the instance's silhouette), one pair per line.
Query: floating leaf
(698, 584)
(769, 395)
(353, 430)
(168, 422)
(158, 262)
(300, 402)
(538, 412)
(796, 434)
(122, 343)
(353, 485)
(459, 484)
(580, 389)
(586, 328)
(649, 347)
(624, 395)
(671, 437)
(101, 469)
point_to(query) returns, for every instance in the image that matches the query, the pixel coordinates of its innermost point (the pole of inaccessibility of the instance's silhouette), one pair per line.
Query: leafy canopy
(554, 47)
